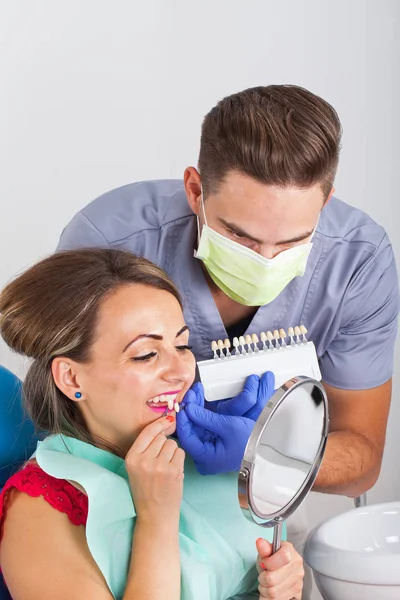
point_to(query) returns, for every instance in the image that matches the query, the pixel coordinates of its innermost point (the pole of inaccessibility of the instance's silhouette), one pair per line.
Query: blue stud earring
(78, 395)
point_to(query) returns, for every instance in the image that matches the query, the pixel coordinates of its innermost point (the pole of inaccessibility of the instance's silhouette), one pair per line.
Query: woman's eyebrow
(153, 336)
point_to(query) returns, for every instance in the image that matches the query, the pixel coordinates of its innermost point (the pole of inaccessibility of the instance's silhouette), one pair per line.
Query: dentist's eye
(145, 357)
(183, 348)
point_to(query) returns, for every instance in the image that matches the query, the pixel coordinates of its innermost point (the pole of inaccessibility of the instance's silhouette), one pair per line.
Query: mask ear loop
(315, 229)
(204, 215)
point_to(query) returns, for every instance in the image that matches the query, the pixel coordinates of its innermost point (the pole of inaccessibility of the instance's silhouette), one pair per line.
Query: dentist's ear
(192, 184)
(329, 197)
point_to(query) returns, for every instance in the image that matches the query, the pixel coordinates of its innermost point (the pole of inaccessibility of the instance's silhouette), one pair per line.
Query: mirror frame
(245, 478)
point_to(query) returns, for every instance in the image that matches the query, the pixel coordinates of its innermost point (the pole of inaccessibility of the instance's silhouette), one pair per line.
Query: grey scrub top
(348, 297)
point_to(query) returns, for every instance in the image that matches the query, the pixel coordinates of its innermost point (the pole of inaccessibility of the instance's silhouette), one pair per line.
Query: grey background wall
(97, 94)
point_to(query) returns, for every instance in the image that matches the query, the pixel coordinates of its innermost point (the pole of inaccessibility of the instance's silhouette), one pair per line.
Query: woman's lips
(159, 409)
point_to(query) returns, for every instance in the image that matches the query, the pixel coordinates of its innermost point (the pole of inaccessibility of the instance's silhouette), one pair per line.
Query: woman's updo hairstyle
(52, 309)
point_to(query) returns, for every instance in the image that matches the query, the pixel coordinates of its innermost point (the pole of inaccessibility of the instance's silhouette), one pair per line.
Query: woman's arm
(155, 468)
(44, 556)
(155, 563)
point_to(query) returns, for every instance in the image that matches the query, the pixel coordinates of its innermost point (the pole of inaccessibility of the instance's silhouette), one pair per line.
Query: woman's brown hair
(279, 135)
(52, 309)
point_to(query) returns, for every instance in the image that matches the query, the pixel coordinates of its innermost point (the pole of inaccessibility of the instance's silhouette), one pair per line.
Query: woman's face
(140, 359)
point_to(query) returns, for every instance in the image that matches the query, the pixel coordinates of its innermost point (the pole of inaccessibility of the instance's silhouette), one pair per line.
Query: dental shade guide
(287, 355)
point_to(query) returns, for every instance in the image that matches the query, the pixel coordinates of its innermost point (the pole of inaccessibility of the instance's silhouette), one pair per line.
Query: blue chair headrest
(17, 434)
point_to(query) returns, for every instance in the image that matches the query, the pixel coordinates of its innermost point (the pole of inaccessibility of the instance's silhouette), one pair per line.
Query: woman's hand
(280, 574)
(155, 468)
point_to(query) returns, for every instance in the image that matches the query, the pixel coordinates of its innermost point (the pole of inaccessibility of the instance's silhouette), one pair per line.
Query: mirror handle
(277, 539)
(360, 501)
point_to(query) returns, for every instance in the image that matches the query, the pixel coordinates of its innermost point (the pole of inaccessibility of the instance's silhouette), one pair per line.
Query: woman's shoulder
(59, 493)
(42, 543)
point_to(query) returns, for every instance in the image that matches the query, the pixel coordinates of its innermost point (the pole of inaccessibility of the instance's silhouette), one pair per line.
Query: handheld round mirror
(284, 453)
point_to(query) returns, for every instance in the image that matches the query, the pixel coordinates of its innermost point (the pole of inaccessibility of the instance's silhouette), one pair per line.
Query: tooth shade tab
(220, 345)
(303, 331)
(254, 339)
(263, 338)
(214, 348)
(248, 342)
(242, 343)
(282, 334)
(276, 338)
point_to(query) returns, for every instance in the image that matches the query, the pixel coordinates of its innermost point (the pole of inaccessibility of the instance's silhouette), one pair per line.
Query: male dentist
(255, 241)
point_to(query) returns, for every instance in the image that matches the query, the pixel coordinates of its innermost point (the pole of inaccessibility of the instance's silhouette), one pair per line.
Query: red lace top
(61, 494)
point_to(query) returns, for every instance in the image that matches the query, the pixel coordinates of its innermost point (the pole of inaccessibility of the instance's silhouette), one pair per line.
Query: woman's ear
(65, 377)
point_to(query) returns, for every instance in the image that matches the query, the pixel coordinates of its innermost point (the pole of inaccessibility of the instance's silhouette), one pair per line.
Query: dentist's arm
(356, 441)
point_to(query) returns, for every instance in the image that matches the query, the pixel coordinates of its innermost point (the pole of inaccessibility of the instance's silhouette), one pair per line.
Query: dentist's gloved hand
(251, 400)
(215, 442)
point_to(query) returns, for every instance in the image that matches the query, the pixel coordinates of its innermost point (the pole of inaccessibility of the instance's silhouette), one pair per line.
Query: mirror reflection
(287, 449)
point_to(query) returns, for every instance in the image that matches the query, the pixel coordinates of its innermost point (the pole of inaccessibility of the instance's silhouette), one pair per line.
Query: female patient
(103, 509)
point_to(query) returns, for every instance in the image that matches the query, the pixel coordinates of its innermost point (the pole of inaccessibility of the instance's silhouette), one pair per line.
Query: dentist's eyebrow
(299, 238)
(238, 231)
(153, 336)
(241, 233)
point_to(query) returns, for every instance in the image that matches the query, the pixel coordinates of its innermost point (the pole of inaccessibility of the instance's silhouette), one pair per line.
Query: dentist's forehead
(267, 214)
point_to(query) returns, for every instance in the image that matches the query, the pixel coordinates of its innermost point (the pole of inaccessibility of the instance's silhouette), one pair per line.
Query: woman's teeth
(168, 399)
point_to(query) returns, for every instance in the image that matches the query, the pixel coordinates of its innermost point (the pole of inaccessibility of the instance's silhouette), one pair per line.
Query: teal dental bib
(217, 544)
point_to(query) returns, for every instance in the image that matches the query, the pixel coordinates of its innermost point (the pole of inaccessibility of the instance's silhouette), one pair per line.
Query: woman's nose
(179, 368)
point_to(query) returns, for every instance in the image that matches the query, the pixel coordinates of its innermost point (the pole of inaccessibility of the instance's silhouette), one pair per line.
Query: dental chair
(17, 436)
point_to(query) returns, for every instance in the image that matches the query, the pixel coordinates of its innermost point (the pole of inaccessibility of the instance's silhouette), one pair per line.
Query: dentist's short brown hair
(280, 135)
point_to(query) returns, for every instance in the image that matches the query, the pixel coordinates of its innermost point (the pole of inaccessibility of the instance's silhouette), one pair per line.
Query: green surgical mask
(245, 276)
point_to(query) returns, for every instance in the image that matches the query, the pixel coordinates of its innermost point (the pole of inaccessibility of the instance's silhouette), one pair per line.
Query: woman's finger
(294, 592)
(178, 460)
(156, 446)
(163, 425)
(264, 549)
(290, 585)
(285, 555)
(167, 451)
(276, 584)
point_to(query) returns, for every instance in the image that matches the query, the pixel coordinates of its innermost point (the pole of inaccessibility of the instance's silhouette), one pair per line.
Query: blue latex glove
(251, 400)
(215, 442)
